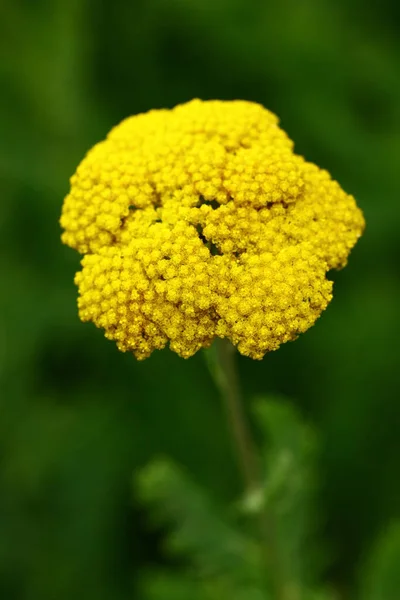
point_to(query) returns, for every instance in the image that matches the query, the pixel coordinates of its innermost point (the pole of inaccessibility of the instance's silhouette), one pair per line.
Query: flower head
(199, 222)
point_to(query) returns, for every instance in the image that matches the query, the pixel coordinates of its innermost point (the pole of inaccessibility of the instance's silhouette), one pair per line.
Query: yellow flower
(201, 221)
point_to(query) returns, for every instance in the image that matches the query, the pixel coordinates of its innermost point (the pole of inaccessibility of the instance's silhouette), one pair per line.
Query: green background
(77, 417)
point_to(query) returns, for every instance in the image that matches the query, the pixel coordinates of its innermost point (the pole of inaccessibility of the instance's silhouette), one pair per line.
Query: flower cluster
(199, 222)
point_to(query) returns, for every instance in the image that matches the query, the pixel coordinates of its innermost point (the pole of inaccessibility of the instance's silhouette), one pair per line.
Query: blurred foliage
(267, 556)
(380, 577)
(77, 417)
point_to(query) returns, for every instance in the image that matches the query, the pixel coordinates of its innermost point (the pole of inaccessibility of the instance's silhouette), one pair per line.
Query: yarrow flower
(201, 222)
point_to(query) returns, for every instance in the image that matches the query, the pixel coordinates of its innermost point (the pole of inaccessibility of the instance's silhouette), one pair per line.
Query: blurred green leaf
(288, 500)
(197, 529)
(380, 574)
(279, 557)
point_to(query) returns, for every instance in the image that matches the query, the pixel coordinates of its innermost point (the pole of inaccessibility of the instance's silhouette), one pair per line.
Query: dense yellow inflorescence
(199, 222)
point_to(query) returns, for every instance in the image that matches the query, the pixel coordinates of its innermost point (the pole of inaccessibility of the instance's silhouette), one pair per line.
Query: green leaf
(381, 570)
(198, 531)
(287, 496)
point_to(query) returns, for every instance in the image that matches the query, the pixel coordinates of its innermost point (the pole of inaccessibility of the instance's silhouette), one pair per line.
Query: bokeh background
(78, 418)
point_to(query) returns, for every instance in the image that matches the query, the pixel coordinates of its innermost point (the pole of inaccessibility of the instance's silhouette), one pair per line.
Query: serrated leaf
(198, 531)
(289, 454)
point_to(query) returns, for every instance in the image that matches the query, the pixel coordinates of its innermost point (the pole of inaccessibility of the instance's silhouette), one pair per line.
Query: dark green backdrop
(76, 416)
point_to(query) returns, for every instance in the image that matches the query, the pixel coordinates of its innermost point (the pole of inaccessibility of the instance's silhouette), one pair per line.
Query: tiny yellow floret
(200, 222)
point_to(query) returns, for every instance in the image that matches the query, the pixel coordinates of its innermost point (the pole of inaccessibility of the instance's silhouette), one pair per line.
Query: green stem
(223, 368)
(228, 382)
